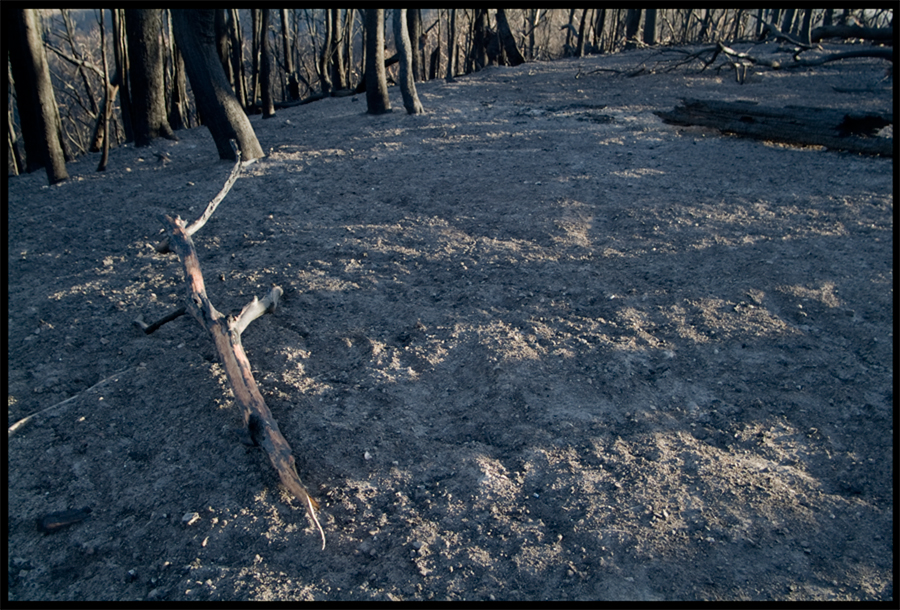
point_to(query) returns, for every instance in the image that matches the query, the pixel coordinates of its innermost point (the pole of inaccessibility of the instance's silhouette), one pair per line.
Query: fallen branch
(259, 424)
(877, 52)
(18, 425)
(769, 30)
(149, 329)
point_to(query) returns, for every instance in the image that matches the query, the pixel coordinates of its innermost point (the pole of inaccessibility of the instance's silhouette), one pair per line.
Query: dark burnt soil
(534, 344)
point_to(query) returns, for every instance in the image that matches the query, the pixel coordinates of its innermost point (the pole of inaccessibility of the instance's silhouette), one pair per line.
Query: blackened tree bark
(632, 23)
(650, 27)
(579, 48)
(479, 58)
(148, 103)
(293, 87)
(806, 28)
(222, 42)
(788, 20)
(451, 47)
(377, 101)
(417, 43)
(107, 99)
(327, 56)
(221, 111)
(178, 111)
(570, 31)
(254, 69)
(599, 24)
(267, 79)
(338, 72)
(121, 77)
(533, 21)
(513, 56)
(237, 58)
(348, 47)
(38, 113)
(407, 82)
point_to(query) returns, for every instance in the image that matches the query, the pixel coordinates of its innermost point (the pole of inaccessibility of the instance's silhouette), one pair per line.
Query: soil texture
(534, 344)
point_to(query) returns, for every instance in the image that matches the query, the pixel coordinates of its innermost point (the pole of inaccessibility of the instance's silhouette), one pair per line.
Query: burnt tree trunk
(632, 23)
(221, 111)
(121, 80)
(338, 69)
(267, 77)
(377, 101)
(852, 31)
(178, 111)
(326, 57)
(513, 56)
(38, 112)
(835, 129)
(149, 119)
(451, 46)
(237, 59)
(481, 31)
(650, 27)
(407, 83)
(417, 43)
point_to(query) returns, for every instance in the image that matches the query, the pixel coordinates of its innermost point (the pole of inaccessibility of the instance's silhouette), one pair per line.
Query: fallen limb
(878, 52)
(226, 333)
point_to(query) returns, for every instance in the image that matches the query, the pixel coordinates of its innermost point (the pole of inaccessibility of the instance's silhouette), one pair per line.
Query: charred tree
(417, 43)
(650, 27)
(632, 24)
(120, 51)
(481, 32)
(451, 47)
(407, 83)
(293, 87)
(336, 61)
(149, 119)
(377, 101)
(513, 56)
(222, 43)
(221, 111)
(267, 78)
(237, 59)
(884, 35)
(178, 110)
(107, 98)
(326, 56)
(38, 113)
(579, 47)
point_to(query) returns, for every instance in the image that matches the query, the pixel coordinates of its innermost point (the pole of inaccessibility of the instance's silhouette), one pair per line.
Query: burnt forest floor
(534, 344)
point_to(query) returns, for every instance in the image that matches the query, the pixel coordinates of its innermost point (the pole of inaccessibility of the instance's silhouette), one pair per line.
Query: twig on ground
(18, 425)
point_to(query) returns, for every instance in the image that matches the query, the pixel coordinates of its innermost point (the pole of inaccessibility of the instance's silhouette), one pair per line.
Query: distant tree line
(84, 81)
